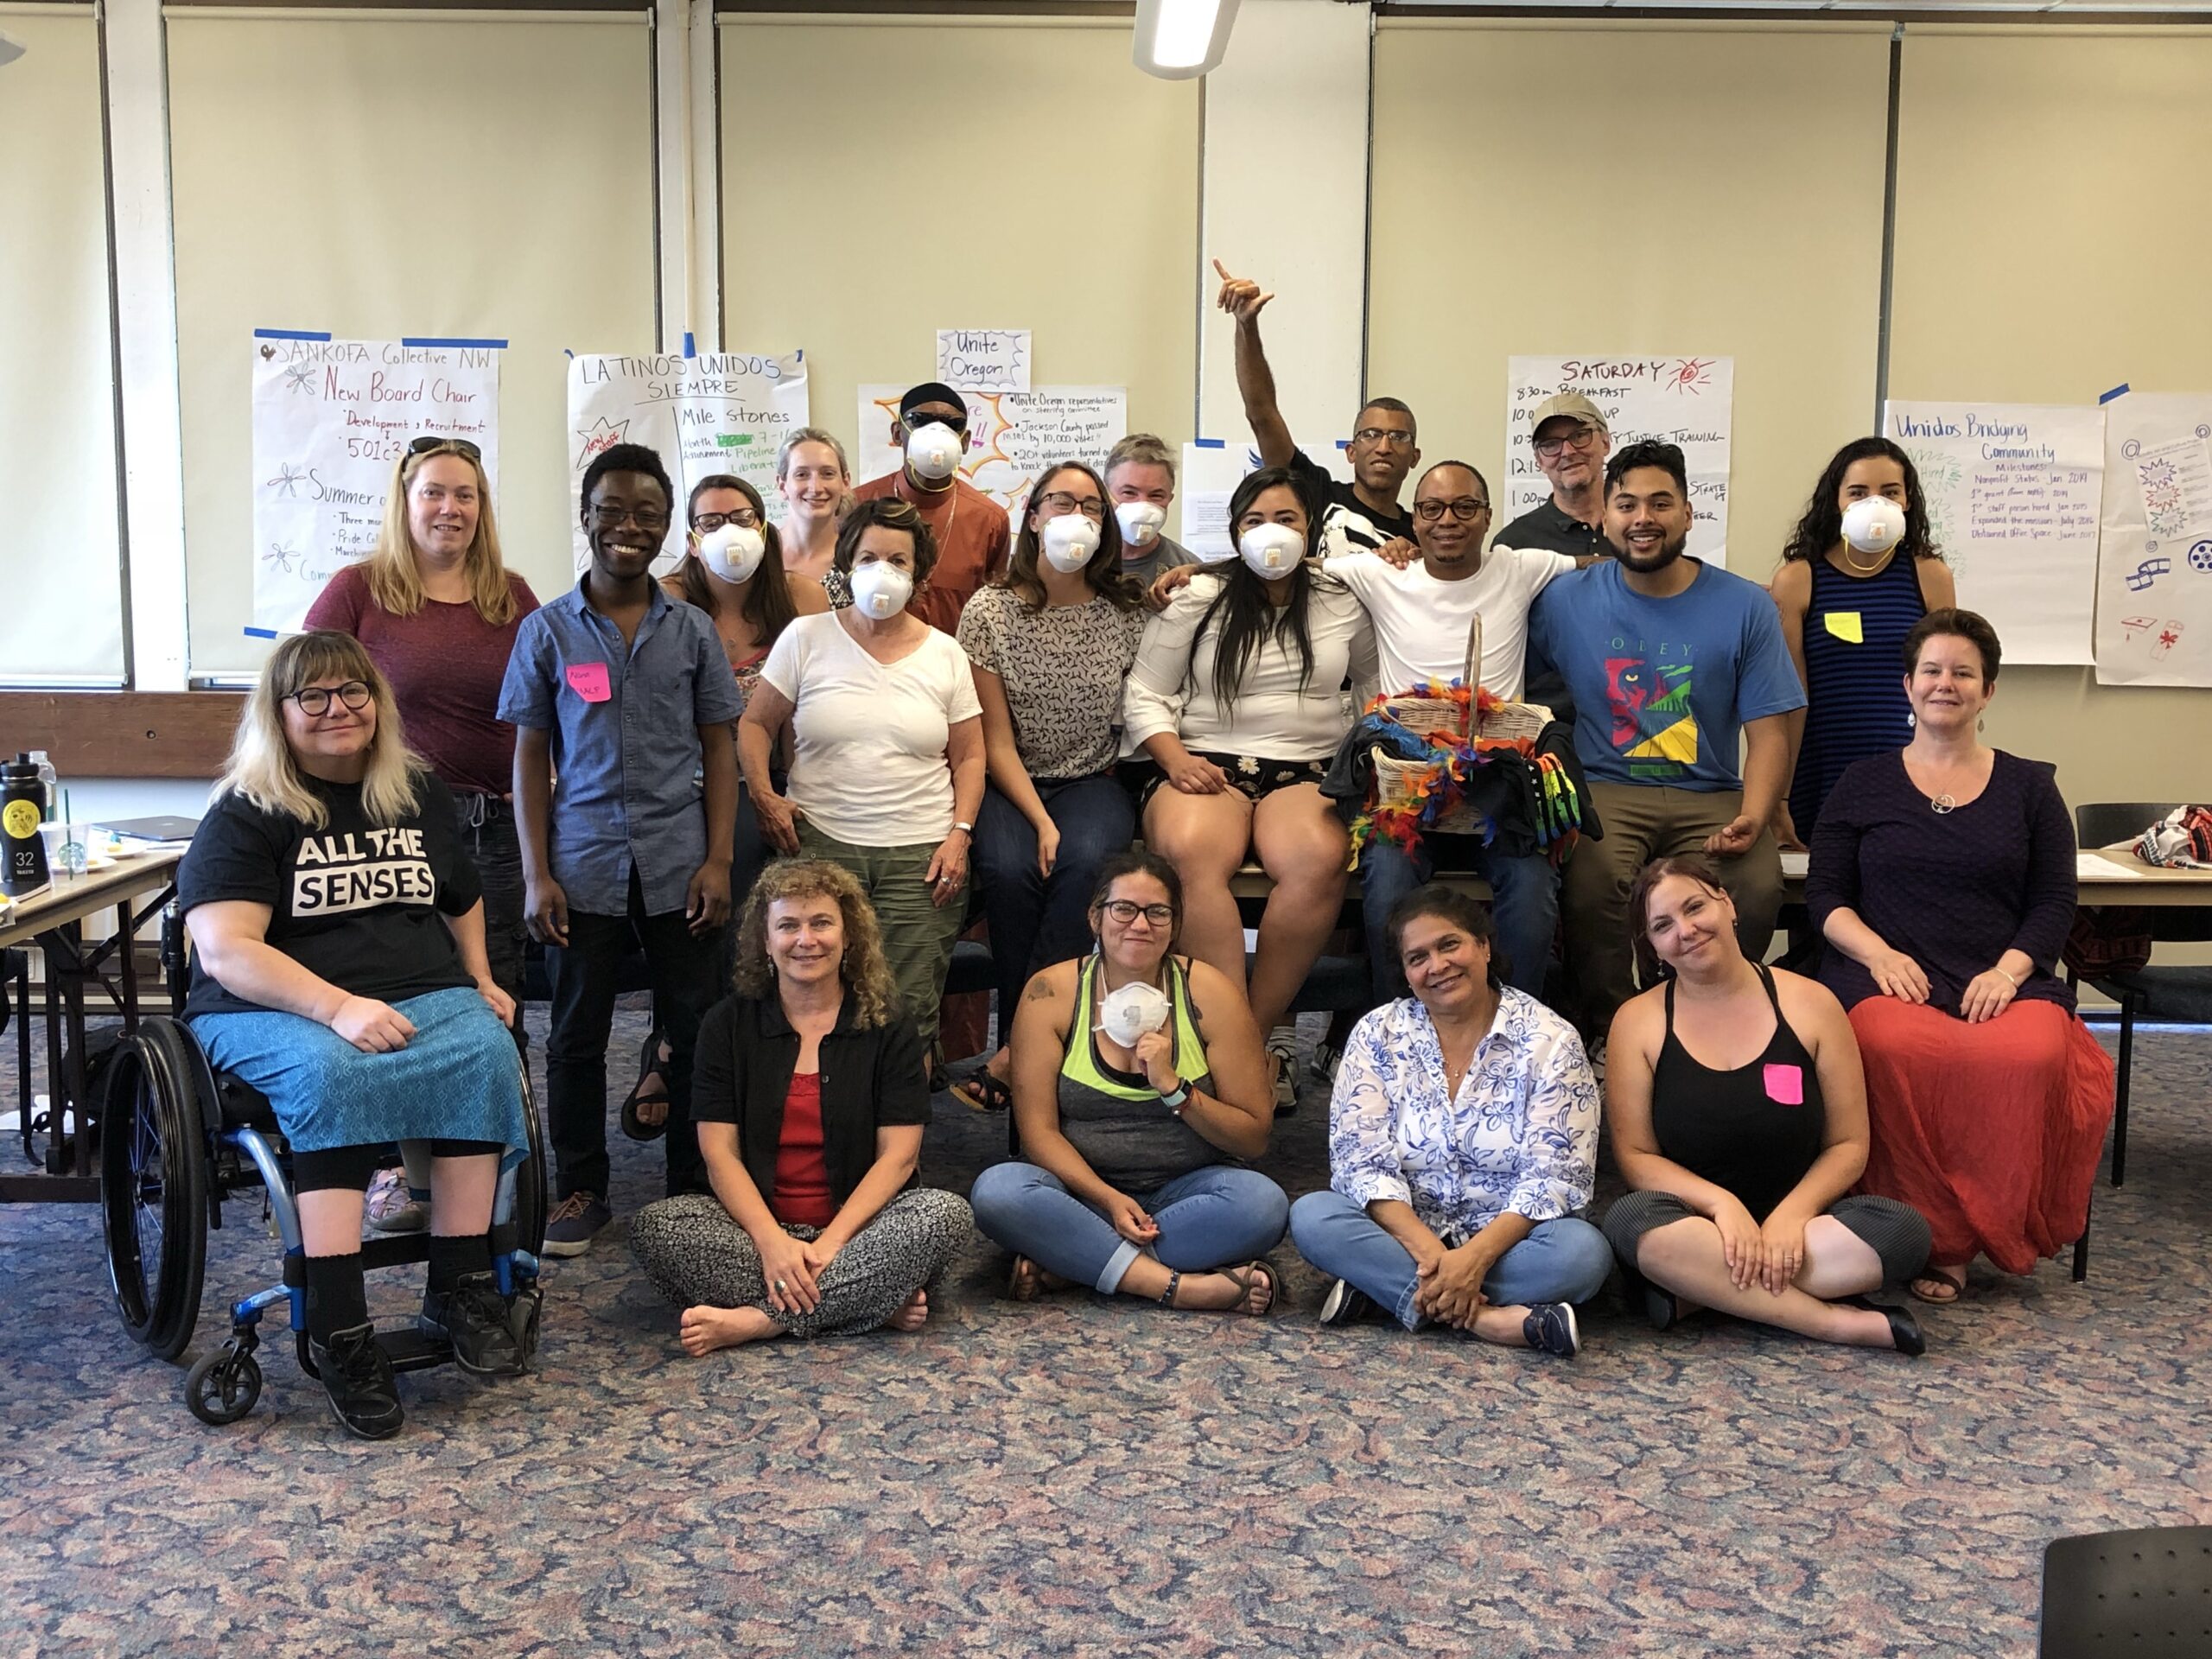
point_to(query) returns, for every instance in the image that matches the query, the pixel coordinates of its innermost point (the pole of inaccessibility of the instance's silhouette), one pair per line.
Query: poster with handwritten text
(2012, 494)
(724, 412)
(1013, 436)
(984, 359)
(331, 419)
(2154, 554)
(1685, 400)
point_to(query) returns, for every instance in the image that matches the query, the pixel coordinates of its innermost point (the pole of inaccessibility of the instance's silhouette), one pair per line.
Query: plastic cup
(65, 847)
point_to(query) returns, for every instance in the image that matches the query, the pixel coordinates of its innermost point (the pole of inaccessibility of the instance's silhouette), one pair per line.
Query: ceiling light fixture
(1181, 40)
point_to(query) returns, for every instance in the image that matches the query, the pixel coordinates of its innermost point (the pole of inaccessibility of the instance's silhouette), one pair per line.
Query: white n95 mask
(1127, 1013)
(1272, 550)
(733, 552)
(1069, 541)
(880, 590)
(933, 451)
(1873, 524)
(1141, 521)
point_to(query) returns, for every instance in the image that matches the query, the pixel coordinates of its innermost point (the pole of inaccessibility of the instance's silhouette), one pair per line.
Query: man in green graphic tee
(1672, 665)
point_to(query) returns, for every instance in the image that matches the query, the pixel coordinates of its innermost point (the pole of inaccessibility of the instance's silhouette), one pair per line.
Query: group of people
(790, 771)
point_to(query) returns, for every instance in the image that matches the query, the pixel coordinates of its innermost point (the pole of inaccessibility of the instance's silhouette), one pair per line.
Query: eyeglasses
(707, 523)
(1581, 438)
(649, 520)
(315, 701)
(1126, 910)
(1377, 435)
(1466, 509)
(1060, 501)
(430, 440)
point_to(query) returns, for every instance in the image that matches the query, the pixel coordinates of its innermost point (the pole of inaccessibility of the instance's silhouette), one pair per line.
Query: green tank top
(1118, 1122)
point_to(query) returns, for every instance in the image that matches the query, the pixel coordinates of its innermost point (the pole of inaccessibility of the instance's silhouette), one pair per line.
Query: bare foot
(1027, 1280)
(1219, 1292)
(1939, 1285)
(913, 1315)
(653, 1082)
(704, 1329)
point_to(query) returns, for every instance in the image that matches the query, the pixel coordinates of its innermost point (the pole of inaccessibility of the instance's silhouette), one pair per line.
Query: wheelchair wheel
(153, 1186)
(529, 1177)
(223, 1385)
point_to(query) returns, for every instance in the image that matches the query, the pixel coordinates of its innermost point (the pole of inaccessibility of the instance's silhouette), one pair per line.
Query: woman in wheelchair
(339, 968)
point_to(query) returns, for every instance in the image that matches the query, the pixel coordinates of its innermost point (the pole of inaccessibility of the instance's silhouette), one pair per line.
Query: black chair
(2145, 1593)
(2184, 995)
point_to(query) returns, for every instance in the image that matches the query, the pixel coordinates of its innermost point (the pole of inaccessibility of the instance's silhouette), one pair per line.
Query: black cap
(932, 391)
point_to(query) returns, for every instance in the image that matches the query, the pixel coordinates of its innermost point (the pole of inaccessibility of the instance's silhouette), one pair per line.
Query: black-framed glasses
(430, 440)
(1091, 506)
(1466, 509)
(315, 700)
(651, 520)
(708, 523)
(1126, 910)
(1378, 434)
(1580, 439)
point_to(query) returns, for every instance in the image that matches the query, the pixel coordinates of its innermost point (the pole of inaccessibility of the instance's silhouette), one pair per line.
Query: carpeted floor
(1076, 1476)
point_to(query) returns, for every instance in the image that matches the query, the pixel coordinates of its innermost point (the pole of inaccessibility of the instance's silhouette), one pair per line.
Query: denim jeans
(1563, 1261)
(1220, 1216)
(682, 965)
(1524, 900)
(487, 825)
(1037, 920)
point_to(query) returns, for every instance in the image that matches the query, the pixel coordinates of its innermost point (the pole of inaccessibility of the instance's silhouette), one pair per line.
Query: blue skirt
(458, 1077)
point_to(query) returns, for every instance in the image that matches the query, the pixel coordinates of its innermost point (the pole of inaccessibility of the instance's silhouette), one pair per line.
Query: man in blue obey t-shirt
(1672, 665)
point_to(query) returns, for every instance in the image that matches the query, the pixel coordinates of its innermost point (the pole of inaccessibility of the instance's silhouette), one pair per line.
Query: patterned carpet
(1079, 1477)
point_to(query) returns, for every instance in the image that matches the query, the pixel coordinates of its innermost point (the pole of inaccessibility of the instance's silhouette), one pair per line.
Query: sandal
(1241, 1278)
(983, 1092)
(1955, 1278)
(1026, 1281)
(650, 1065)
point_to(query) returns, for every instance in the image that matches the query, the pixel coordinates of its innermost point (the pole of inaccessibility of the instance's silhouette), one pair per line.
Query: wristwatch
(1176, 1102)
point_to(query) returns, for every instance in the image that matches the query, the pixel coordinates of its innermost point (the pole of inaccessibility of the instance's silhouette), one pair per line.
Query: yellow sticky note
(1845, 625)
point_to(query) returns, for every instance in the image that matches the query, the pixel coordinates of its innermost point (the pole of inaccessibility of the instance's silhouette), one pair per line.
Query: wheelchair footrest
(408, 1349)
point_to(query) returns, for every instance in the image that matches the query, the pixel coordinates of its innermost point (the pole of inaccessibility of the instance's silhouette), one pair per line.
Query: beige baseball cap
(1567, 405)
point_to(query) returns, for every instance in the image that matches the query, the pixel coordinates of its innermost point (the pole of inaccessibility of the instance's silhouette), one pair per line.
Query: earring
(1981, 724)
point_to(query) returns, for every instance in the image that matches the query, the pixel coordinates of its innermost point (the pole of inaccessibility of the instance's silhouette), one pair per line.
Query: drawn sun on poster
(287, 480)
(604, 435)
(1690, 374)
(300, 377)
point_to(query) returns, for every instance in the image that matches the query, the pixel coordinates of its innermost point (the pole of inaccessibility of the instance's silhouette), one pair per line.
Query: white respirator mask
(1069, 541)
(1141, 521)
(933, 451)
(733, 552)
(1272, 550)
(1127, 1015)
(880, 590)
(1873, 524)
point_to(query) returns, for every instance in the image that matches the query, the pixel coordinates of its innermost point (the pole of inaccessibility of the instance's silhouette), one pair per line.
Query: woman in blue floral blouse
(1463, 1137)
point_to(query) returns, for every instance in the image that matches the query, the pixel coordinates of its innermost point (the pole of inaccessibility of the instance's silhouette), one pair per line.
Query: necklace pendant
(1941, 804)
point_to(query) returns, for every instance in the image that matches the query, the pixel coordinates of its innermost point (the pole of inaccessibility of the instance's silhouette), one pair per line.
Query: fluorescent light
(10, 48)
(1179, 40)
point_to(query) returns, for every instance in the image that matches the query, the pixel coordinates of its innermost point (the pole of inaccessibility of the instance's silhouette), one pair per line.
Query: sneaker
(1345, 1304)
(356, 1374)
(1550, 1326)
(473, 1317)
(393, 1207)
(1284, 1053)
(570, 1229)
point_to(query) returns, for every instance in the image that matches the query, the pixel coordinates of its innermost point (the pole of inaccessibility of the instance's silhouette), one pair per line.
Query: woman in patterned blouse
(1463, 1137)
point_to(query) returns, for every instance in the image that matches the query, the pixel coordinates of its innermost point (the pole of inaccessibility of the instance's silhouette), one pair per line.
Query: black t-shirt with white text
(356, 905)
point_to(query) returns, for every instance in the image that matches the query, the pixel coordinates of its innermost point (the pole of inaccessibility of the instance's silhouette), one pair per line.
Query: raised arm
(1256, 381)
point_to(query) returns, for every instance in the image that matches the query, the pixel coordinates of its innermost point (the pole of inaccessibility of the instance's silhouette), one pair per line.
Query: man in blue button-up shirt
(625, 694)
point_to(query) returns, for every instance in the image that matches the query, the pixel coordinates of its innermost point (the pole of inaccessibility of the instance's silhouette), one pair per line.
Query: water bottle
(51, 779)
(23, 849)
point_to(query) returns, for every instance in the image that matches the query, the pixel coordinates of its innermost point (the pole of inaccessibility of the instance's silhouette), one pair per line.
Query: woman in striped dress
(1846, 613)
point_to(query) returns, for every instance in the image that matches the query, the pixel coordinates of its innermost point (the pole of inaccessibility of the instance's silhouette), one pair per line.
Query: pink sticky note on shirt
(1785, 1084)
(589, 682)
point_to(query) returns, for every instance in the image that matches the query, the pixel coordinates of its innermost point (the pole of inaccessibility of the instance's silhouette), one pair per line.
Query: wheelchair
(177, 1139)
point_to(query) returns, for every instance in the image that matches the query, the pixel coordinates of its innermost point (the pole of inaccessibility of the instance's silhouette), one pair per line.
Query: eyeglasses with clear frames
(315, 700)
(1091, 506)
(1466, 509)
(1126, 910)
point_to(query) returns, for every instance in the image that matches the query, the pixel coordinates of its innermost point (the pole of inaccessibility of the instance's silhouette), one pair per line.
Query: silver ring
(780, 1284)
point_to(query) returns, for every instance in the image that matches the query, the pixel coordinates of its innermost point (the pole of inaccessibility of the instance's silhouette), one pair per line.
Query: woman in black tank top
(1739, 1118)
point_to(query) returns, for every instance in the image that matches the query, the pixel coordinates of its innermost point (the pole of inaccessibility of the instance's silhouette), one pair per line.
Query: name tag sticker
(589, 682)
(1785, 1084)
(1845, 625)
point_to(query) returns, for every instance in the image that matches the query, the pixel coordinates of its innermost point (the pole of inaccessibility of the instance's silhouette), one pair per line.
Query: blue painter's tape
(291, 333)
(2119, 390)
(259, 633)
(689, 350)
(1209, 443)
(456, 345)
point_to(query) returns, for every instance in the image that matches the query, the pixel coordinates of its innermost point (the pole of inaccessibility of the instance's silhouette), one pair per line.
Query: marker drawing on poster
(2154, 557)
(331, 419)
(984, 359)
(2013, 492)
(725, 412)
(1686, 401)
(1013, 436)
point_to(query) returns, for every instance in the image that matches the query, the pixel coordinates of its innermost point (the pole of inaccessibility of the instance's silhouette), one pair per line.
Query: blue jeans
(1563, 1261)
(1037, 920)
(1525, 899)
(1217, 1216)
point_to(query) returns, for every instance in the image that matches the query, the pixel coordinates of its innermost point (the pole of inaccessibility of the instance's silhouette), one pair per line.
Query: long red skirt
(1991, 1131)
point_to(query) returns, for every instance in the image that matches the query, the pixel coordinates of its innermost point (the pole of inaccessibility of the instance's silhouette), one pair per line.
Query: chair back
(2100, 823)
(2142, 1593)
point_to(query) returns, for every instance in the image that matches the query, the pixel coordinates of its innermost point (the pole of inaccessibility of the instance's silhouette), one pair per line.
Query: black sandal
(983, 1092)
(650, 1064)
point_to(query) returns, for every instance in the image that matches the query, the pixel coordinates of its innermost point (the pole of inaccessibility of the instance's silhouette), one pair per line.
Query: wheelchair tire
(223, 1385)
(529, 1177)
(153, 1186)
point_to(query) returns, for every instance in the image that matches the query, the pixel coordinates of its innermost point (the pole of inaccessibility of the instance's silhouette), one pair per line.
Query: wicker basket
(1401, 784)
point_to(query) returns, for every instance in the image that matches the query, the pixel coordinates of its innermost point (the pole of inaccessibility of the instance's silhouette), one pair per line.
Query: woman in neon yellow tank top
(1139, 1085)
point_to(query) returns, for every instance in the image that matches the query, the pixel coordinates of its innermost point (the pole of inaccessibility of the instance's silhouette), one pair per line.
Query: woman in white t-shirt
(1237, 694)
(888, 761)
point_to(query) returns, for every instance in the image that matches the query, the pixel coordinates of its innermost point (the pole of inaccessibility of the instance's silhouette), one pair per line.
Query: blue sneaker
(1550, 1326)
(581, 1218)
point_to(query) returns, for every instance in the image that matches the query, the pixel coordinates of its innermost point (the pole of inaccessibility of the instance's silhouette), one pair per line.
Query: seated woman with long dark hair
(339, 967)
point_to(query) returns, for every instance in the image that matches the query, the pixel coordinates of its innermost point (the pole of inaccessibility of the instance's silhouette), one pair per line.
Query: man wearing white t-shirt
(1422, 614)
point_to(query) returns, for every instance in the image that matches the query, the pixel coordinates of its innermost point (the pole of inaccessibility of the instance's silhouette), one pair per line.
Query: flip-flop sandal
(649, 1065)
(983, 1092)
(1955, 1277)
(1241, 1278)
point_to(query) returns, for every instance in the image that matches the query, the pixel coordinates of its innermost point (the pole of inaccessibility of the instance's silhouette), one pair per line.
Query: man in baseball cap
(1572, 441)
(969, 528)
